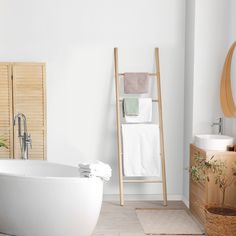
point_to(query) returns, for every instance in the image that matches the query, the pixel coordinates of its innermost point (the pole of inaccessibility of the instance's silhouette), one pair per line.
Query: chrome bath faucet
(219, 124)
(25, 138)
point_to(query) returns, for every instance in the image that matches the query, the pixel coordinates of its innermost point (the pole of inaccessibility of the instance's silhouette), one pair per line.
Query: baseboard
(146, 197)
(142, 197)
(185, 201)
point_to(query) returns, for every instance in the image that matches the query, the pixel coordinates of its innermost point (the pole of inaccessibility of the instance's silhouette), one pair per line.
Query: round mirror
(227, 87)
(233, 75)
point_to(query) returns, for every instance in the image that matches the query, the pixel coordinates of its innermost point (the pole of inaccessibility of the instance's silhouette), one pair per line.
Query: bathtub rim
(22, 176)
(74, 179)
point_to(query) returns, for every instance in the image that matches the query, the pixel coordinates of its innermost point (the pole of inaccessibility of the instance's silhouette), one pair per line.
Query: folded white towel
(96, 169)
(98, 172)
(95, 165)
(89, 175)
(145, 112)
(141, 149)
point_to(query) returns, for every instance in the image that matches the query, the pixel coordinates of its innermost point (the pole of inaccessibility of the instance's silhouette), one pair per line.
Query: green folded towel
(131, 106)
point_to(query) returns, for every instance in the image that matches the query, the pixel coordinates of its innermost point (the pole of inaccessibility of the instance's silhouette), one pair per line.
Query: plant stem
(223, 197)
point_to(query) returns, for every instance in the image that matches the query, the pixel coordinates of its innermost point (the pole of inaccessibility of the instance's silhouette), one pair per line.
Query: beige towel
(136, 83)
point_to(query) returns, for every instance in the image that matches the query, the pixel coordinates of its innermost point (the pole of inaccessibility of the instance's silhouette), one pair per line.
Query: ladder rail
(159, 107)
(121, 186)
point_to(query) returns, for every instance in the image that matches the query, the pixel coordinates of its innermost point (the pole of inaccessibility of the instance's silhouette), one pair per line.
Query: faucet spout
(219, 124)
(19, 117)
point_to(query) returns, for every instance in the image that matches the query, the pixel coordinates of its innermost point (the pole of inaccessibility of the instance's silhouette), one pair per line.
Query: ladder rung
(149, 74)
(153, 100)
(141, 181)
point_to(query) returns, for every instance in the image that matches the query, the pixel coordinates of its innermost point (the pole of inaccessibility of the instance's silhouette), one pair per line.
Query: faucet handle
(220, 122)
(29, 140)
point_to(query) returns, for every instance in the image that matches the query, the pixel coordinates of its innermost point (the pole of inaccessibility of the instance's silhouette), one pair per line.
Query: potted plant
(219, 219)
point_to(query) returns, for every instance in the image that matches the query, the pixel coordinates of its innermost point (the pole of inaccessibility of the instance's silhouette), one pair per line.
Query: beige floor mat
(168, 221)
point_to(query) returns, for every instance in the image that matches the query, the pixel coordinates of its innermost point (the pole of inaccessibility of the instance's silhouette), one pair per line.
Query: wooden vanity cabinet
(23, 89)
(201, 195)
(197, 191)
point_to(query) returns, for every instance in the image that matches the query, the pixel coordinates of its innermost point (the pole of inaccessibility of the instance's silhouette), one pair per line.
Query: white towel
(95, 165)
(145, 112)
(89, 175)
(141, 149)
(95, 169)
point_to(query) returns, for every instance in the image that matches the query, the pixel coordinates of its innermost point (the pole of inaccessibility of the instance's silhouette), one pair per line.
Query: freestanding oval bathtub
(39, 198)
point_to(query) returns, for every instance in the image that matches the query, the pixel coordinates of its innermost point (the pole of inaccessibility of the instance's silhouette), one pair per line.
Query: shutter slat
(6, 129)
(29, 99)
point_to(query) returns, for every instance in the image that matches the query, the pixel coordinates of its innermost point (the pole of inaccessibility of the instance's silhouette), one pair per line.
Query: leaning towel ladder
(122, 180)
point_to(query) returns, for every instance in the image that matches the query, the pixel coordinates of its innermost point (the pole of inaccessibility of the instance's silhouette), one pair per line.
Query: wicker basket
(219, 225)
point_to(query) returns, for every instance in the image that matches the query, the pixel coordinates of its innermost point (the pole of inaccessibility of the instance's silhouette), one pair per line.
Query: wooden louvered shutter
(6, 130)
(29, 99)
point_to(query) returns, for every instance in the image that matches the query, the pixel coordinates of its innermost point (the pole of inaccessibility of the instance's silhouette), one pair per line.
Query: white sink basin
(213, 142)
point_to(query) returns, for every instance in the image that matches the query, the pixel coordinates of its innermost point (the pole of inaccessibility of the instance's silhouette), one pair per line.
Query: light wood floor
(115, 220)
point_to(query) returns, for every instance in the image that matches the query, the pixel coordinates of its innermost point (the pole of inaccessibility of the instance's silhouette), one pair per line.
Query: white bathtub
(39, 198)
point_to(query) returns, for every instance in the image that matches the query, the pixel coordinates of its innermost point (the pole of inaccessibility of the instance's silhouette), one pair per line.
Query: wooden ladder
(122, 180)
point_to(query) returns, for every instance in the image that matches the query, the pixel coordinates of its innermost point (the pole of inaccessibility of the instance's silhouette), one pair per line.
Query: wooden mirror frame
(226, 97)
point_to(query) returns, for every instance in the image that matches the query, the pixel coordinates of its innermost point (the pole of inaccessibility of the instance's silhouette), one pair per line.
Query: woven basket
(219, 225)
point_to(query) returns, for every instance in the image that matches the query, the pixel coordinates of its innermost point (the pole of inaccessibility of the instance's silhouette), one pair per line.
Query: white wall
(206, 58)
(188, 90)
(76, 39)
(211, 33)
(232, 38)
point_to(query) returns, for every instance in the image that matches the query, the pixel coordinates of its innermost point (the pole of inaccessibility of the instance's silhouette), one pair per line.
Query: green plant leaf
(3, 143)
